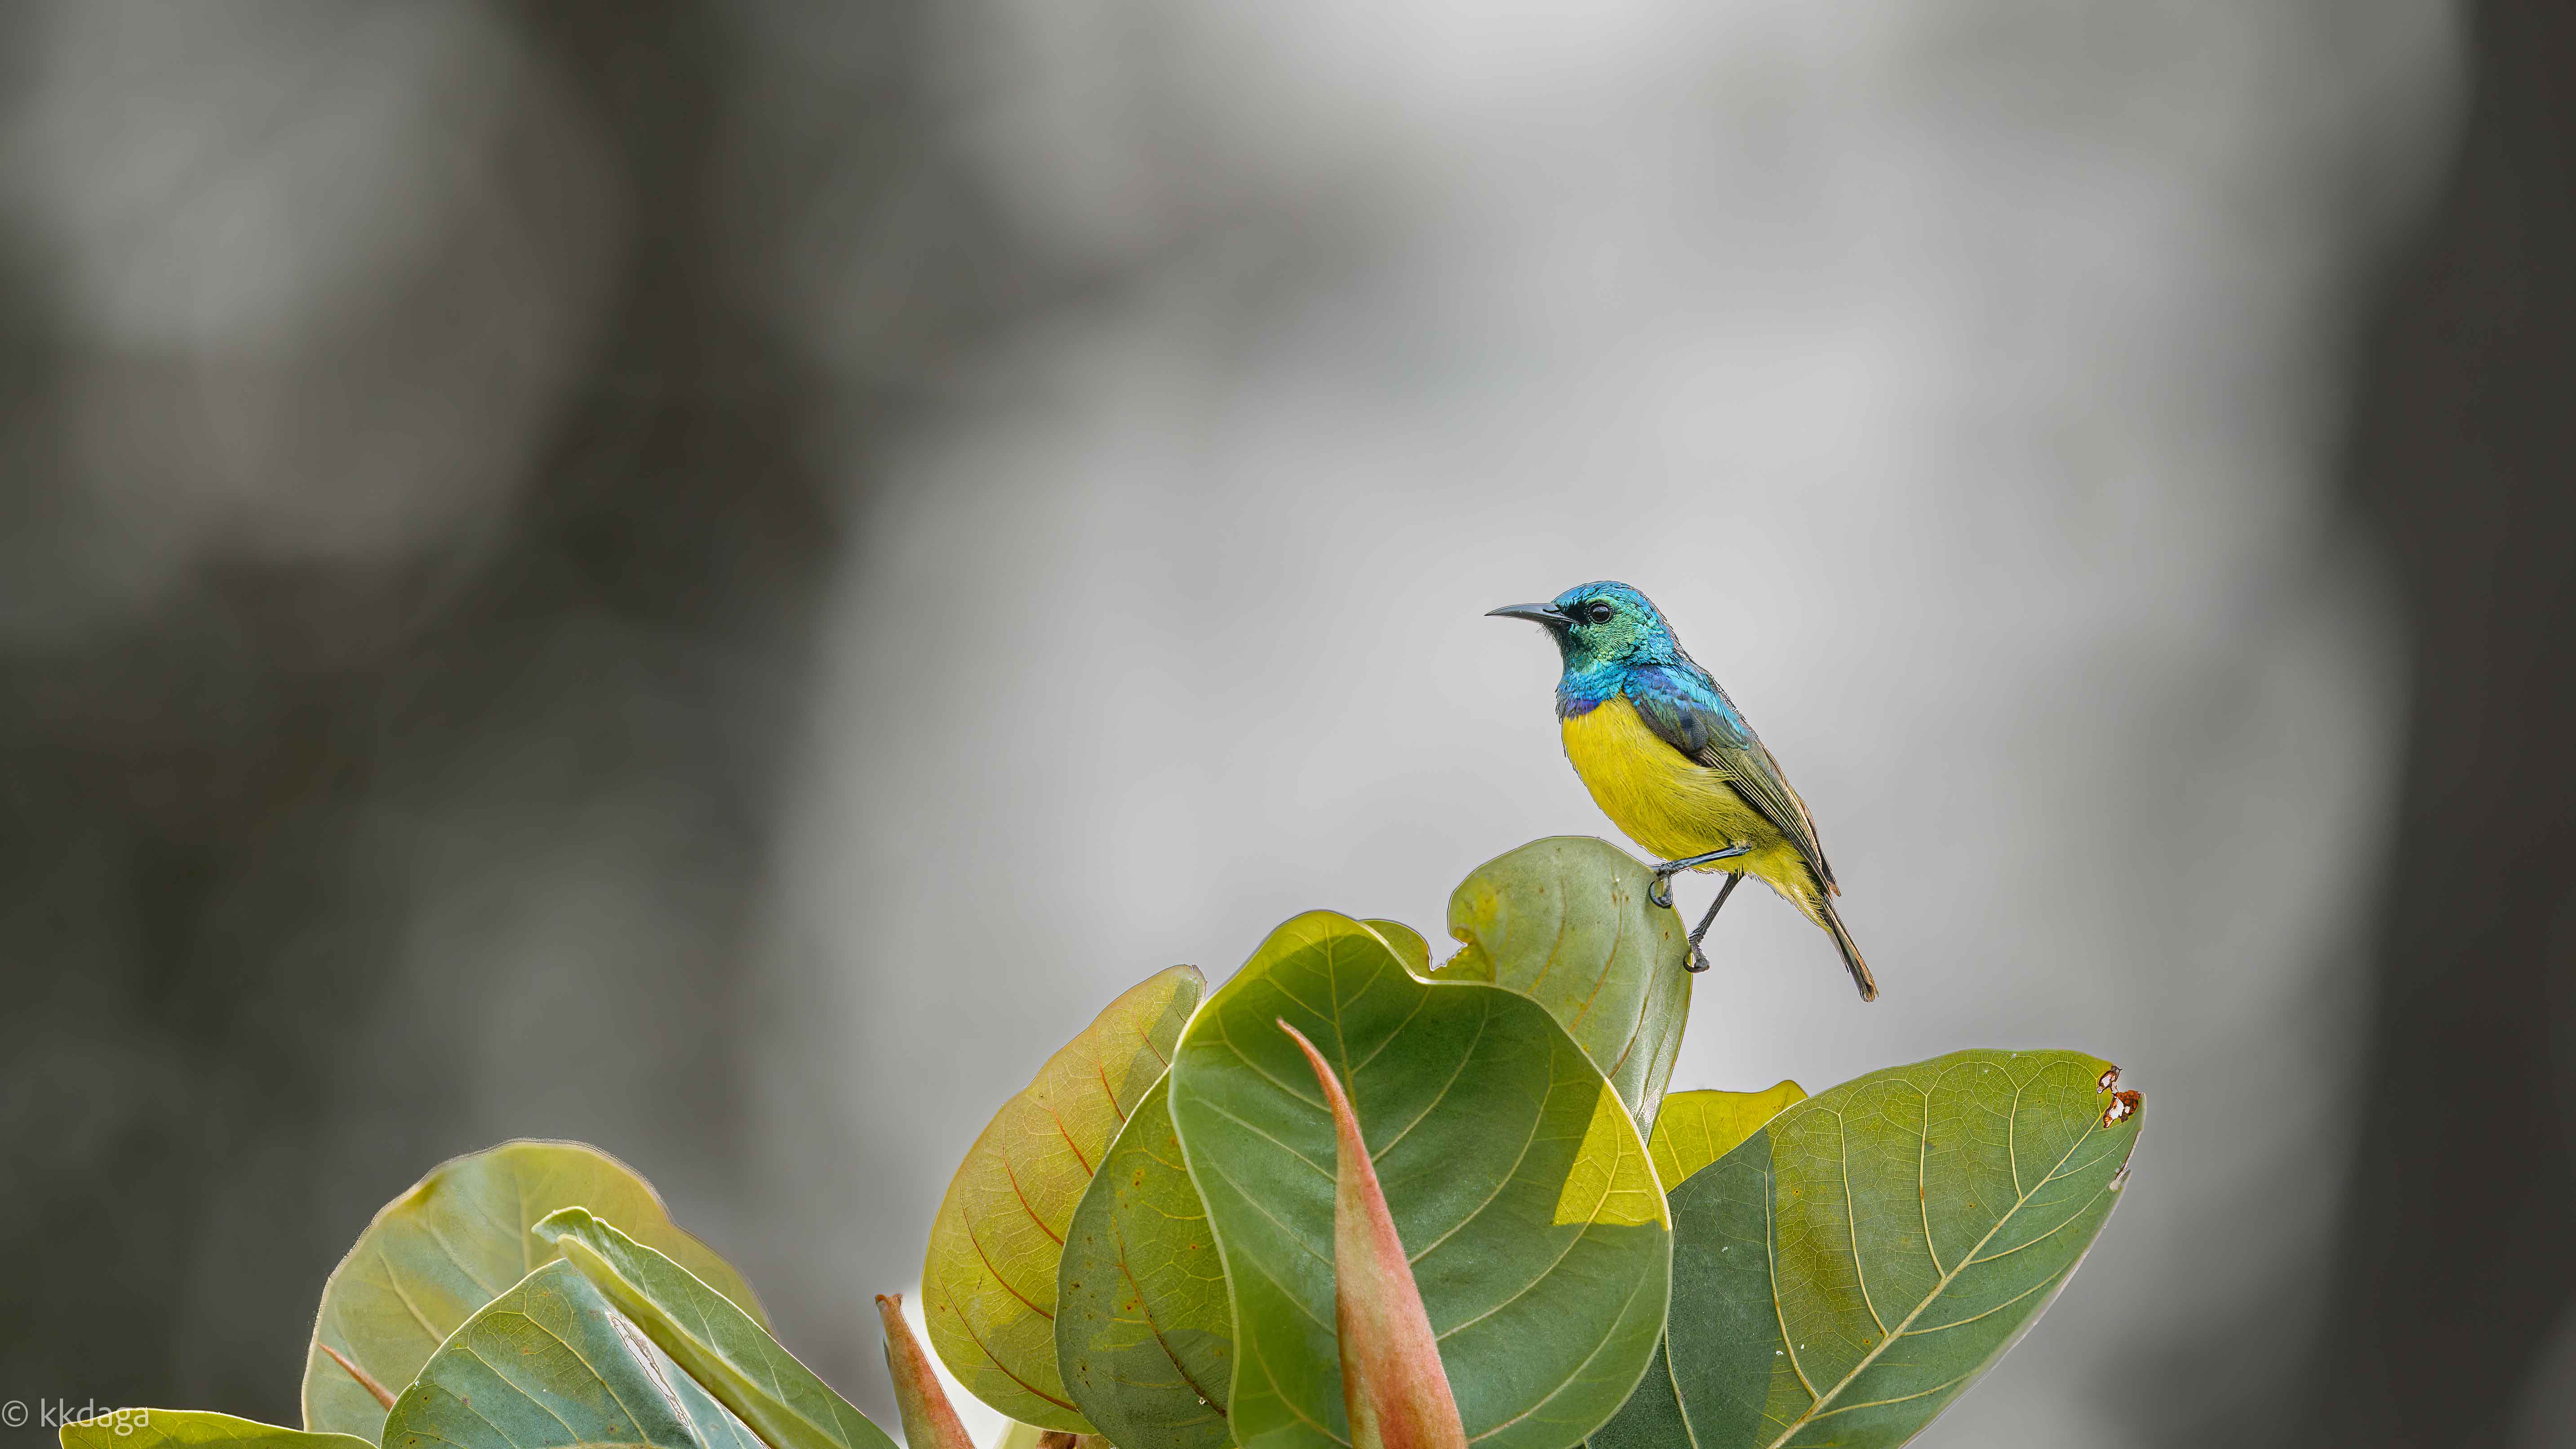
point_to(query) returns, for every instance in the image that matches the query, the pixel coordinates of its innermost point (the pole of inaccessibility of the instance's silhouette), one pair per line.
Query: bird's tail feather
(1832, 921)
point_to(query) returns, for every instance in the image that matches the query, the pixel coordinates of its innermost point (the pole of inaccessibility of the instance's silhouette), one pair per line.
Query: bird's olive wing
(1692, 714)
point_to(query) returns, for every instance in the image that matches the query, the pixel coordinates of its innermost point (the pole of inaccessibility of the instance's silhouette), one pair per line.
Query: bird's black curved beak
(1547, 614)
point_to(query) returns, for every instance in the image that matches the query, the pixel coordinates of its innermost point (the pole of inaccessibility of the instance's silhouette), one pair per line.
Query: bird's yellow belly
(1665, 801)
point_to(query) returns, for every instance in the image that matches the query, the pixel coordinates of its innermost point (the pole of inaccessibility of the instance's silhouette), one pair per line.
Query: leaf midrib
(1145, 1310)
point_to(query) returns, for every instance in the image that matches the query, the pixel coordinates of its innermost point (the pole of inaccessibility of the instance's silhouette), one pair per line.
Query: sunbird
(1674, 764)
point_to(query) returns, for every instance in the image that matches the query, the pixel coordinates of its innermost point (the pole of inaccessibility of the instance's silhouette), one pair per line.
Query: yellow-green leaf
(1409, 946)
(1697, 1128)
(458, 1239)
(989, 1282)
(194, 1429)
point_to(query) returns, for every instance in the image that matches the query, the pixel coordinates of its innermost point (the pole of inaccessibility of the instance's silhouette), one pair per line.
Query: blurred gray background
(716, 577)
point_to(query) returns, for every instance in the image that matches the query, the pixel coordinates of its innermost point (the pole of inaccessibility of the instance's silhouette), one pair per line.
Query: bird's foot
(1661, 892)
(1698, 960)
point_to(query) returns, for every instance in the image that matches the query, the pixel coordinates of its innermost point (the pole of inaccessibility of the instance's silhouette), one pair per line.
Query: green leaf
(988, 1285)
(550, 1365)
(456, 1240)
(1517, 1179)
(1843, 1275)
(1565, 921)
(1697, 1128)
(715, 1342)
(194, 1429)
(1143, 1317)
(1144, 1327)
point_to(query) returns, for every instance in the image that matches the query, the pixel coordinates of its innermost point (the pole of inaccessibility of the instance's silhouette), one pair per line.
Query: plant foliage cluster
(1348, 1200)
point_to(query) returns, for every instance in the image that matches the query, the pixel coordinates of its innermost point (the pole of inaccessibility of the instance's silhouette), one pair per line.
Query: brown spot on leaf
(2110, 1078)
(2124, 1105)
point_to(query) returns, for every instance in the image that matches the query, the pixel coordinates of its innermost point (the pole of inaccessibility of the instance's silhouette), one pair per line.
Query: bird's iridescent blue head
(1602, 630)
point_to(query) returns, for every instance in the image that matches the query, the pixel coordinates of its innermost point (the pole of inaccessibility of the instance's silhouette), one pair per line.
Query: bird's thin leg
(1698, 961)
(1661, 892)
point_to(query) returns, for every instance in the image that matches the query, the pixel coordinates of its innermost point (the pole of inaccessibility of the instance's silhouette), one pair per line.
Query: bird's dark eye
(1599, 613)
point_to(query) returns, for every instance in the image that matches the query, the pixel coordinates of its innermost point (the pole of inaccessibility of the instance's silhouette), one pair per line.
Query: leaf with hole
(988, 1285)
(1518, 1183)
(461, 1236)
(1846, 1272)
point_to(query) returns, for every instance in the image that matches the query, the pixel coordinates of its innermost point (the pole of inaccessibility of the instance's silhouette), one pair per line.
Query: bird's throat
(1581, 691)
